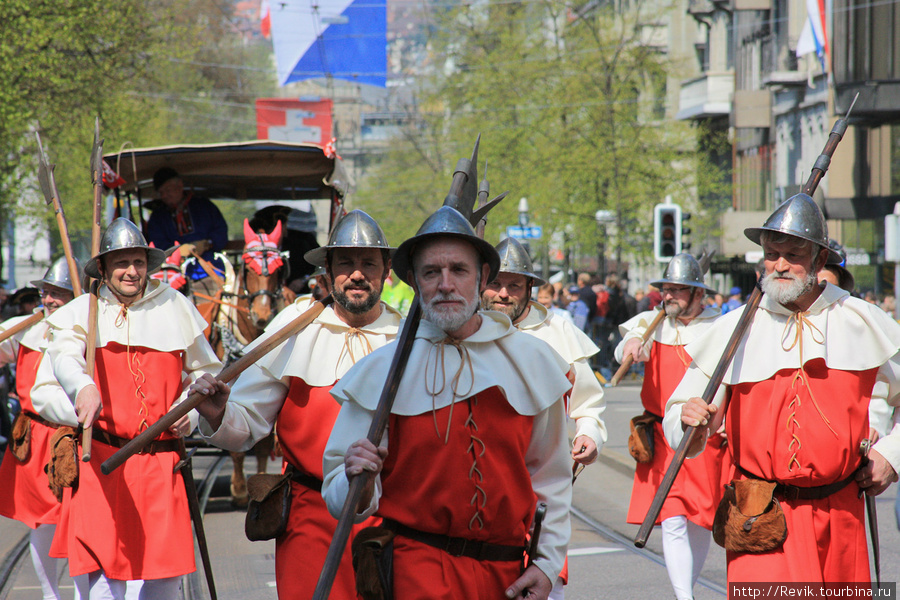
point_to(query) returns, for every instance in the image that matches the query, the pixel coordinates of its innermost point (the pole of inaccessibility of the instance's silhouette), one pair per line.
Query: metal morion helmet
(514, 259)
(122, 234)
(445, 222)
(800, 217)
(838, 250)
(356, 229)
(58, 275)
(683, 269)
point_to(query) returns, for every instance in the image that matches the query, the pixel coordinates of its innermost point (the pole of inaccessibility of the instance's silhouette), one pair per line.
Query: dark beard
(358, 307)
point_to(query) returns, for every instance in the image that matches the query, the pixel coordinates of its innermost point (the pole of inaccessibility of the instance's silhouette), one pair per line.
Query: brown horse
(256, 296)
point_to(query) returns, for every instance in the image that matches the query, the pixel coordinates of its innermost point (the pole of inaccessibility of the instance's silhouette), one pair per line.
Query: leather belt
(794, 492)
(313, 483)
(39, 419)
(104, 437)
(458, 546)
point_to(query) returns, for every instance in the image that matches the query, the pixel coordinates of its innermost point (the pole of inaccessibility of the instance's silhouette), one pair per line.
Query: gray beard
(787, 293)
(450, 320)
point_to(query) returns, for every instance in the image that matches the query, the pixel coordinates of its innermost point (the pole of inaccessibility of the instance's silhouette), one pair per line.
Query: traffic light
(685, 231)
(666, 231)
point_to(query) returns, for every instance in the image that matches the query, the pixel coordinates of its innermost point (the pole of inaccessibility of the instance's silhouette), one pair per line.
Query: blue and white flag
(344, 39)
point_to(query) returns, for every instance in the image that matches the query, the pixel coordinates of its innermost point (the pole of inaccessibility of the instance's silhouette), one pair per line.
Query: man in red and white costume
(133, 524)
(24, 494)
(475, 438)
(289, 387)
(688, 512)
(510, 293)
(798, 394)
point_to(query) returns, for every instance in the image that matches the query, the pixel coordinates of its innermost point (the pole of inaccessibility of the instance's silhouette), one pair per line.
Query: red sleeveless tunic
(476, 486)
(24, 493)
(786, 438)
(304, 424)
(133, 523)
(697, 489)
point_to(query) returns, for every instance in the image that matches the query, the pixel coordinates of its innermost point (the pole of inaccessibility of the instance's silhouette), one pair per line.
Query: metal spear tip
(44, 171)
(96, 153)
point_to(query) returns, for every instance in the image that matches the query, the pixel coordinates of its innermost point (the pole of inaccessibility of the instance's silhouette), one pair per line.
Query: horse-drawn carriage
(246, 285)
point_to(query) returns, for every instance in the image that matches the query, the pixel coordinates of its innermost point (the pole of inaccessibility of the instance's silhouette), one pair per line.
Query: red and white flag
(265, 19)
(111, 179)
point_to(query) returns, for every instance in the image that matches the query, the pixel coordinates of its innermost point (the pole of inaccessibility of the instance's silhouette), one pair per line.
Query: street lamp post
(603, 218)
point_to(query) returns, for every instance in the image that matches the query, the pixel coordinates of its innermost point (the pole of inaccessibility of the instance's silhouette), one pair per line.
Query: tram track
(628, 545)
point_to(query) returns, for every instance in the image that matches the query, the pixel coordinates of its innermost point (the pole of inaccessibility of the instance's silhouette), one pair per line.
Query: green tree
(155, 72)
(570, 108)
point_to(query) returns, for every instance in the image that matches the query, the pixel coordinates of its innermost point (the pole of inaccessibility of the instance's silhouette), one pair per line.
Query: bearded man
(476, 435)
(687, 514)
(290, 386)
(24, 494)
(798, 394)
(133, 524)
(510, 293)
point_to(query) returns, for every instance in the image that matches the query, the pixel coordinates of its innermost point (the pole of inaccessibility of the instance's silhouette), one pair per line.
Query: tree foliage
(571, 109)
(154, 71)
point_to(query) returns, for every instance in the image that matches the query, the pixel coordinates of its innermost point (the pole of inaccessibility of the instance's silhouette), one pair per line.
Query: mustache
(442, 297)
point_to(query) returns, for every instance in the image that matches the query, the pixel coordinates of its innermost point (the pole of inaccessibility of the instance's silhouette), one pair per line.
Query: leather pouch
(20, 444)
(269, 506)
(62, 470)
(640, 442)
(749, 518)
(373, 552)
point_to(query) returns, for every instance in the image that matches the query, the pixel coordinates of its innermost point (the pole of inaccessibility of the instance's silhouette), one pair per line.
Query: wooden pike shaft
(691, 433)
(91, 350)
(90, 356)
(22, 325)
(67, 247)
(228, 374)
(629, 360)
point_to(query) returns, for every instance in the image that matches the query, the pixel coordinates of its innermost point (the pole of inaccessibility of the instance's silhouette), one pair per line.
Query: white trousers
(45, 566)
(97, 586)
(685, 546)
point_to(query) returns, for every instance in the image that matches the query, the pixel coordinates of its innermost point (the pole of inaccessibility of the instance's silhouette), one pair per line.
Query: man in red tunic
(510, 293)
(475, 438)
(798, 394)
(289, 388)
(133, 524)
(24, 494)
(687, 514)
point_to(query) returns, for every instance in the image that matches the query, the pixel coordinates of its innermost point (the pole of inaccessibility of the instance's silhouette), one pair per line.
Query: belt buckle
(455, 546)
(790, 492)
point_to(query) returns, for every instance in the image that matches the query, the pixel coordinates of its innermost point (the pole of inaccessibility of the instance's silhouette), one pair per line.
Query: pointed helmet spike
(445, 222)
(514, 259)
(58, 275)
(122, 234)
(356, 229)
(798, 216)
(683, 269)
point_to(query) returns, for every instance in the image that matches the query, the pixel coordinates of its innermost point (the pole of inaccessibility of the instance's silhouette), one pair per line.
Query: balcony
(706, 96)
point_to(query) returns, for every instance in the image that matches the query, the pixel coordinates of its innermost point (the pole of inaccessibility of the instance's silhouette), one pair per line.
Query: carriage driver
(290, 387)
(133, 524)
